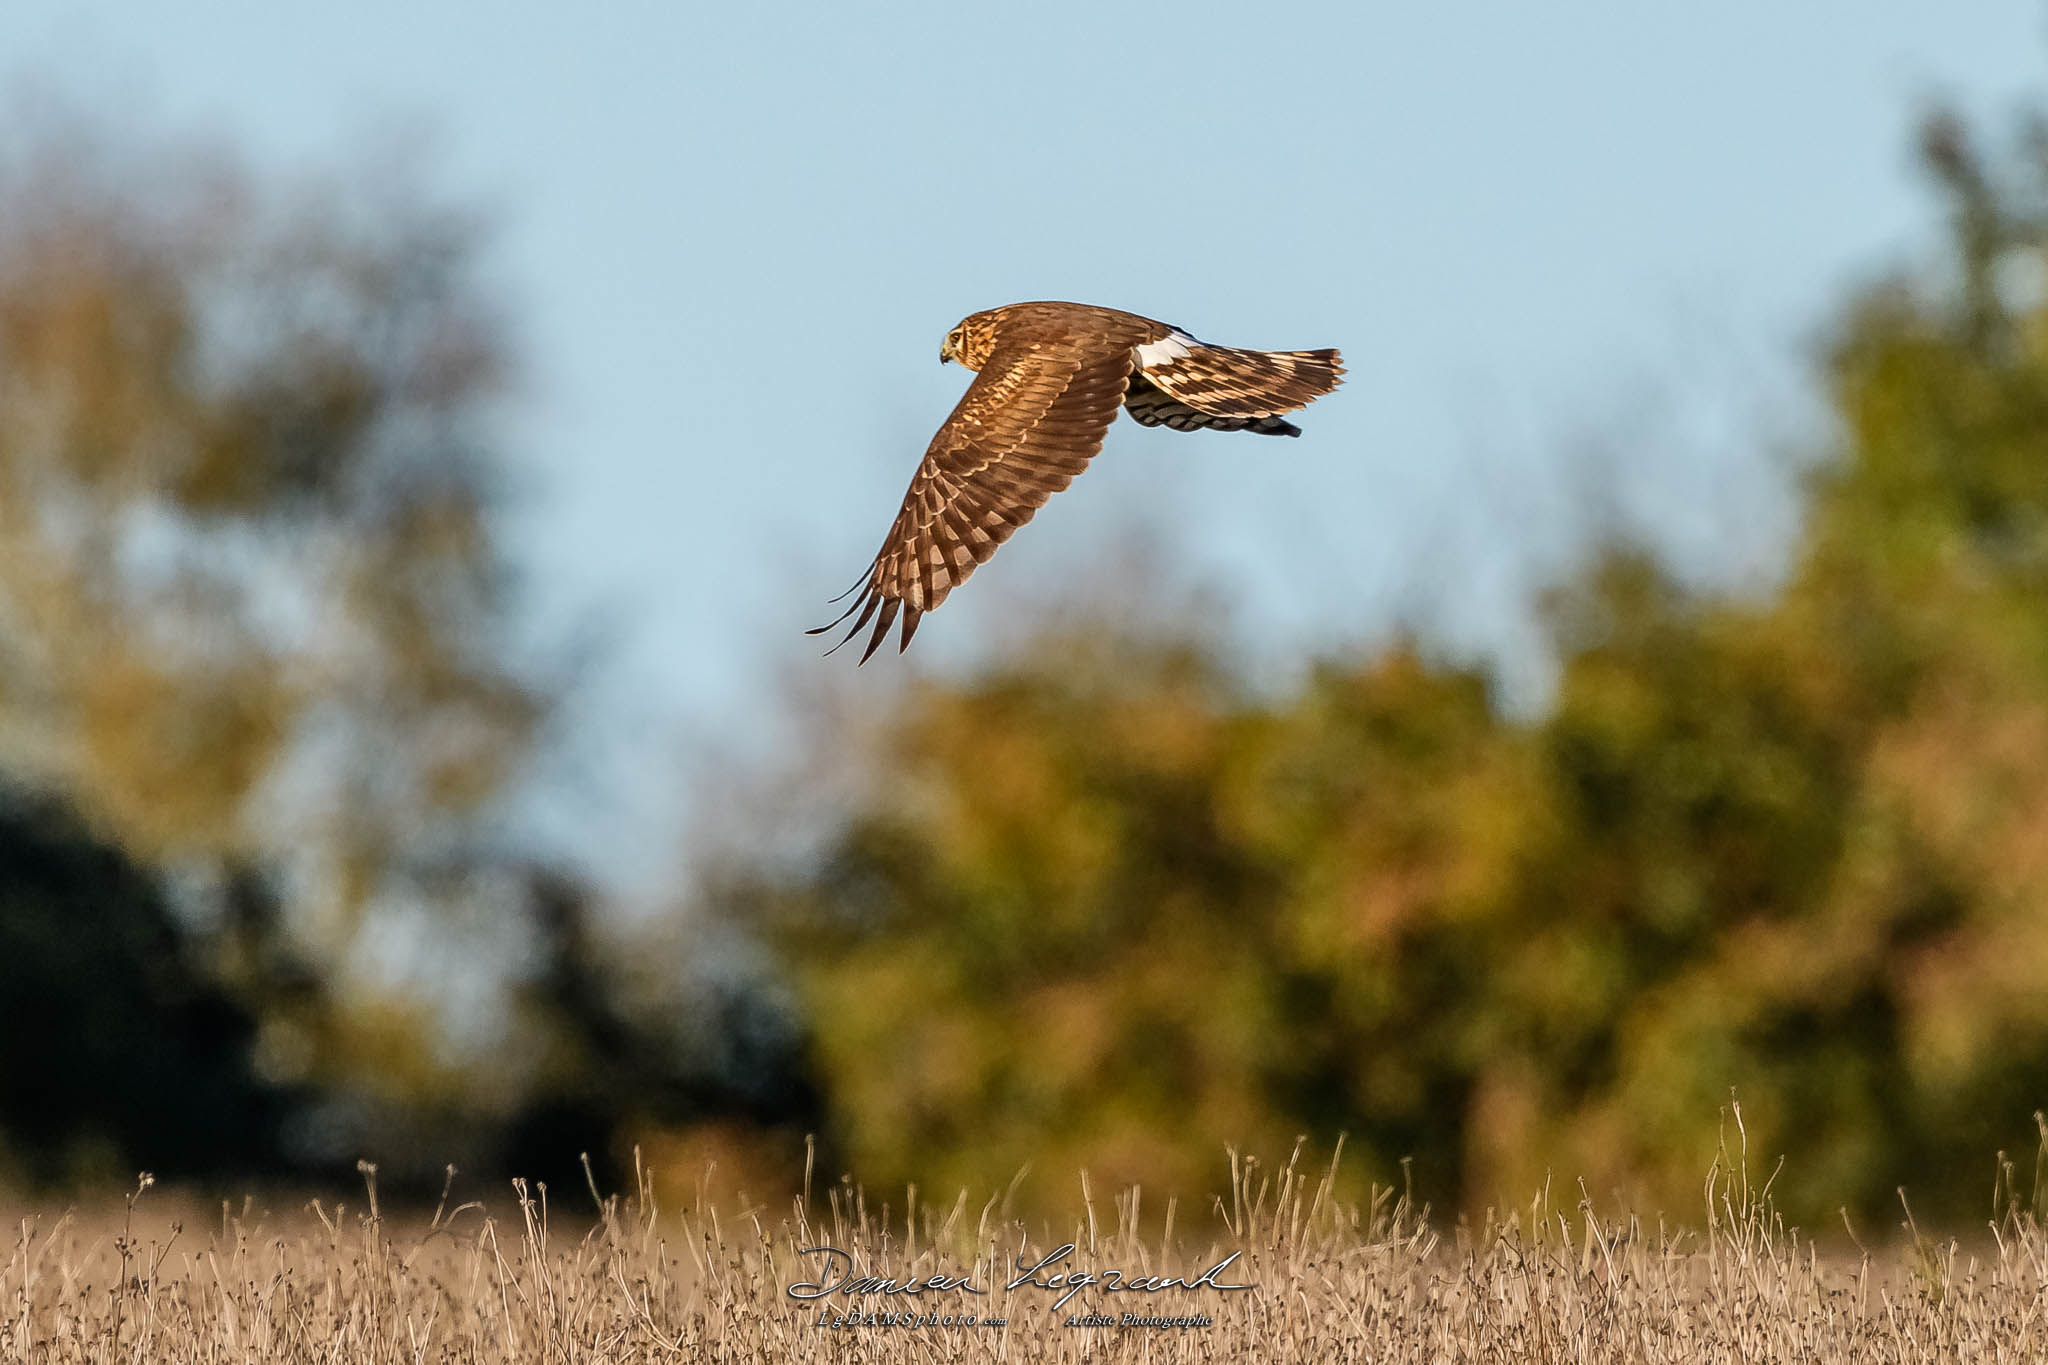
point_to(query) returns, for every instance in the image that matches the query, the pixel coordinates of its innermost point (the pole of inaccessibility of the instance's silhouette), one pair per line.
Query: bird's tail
(1228, 382)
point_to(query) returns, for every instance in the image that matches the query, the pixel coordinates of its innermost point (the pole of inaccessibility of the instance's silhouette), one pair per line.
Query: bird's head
(970, 342)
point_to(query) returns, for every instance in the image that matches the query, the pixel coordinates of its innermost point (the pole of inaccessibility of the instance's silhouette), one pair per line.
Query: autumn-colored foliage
(1109, 906)
(261, 696)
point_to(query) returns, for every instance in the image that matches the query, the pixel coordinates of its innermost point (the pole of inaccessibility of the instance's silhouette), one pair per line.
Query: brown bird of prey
(1051, 378)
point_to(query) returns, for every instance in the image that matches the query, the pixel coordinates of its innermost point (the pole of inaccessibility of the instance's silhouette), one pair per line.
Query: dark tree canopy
(118, 1044)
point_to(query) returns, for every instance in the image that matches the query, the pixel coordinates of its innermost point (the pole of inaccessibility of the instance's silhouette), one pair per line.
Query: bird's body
(1051, 379)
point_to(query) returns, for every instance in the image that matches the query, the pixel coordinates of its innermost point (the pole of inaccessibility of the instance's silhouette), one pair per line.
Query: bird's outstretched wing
(1033, 418)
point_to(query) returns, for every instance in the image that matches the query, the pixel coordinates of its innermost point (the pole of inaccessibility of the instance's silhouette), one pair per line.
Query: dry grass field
(1557, 1280)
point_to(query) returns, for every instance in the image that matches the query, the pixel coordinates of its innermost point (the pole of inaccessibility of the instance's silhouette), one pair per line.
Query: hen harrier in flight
(1052, 376)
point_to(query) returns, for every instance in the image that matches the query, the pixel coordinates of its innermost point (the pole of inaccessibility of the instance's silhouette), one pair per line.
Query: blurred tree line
(266, 711)
(264, 708)
(1107, 906)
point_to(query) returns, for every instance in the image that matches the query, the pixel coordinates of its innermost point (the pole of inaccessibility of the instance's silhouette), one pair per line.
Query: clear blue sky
(1564, 248)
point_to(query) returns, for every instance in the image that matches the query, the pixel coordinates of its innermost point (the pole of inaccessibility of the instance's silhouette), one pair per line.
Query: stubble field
(542, 1278)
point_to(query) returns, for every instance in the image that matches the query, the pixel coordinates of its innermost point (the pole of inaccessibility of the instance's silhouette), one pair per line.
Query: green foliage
(1118, 913)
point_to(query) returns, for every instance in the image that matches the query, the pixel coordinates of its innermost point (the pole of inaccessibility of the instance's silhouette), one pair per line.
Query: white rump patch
(1175, 345)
